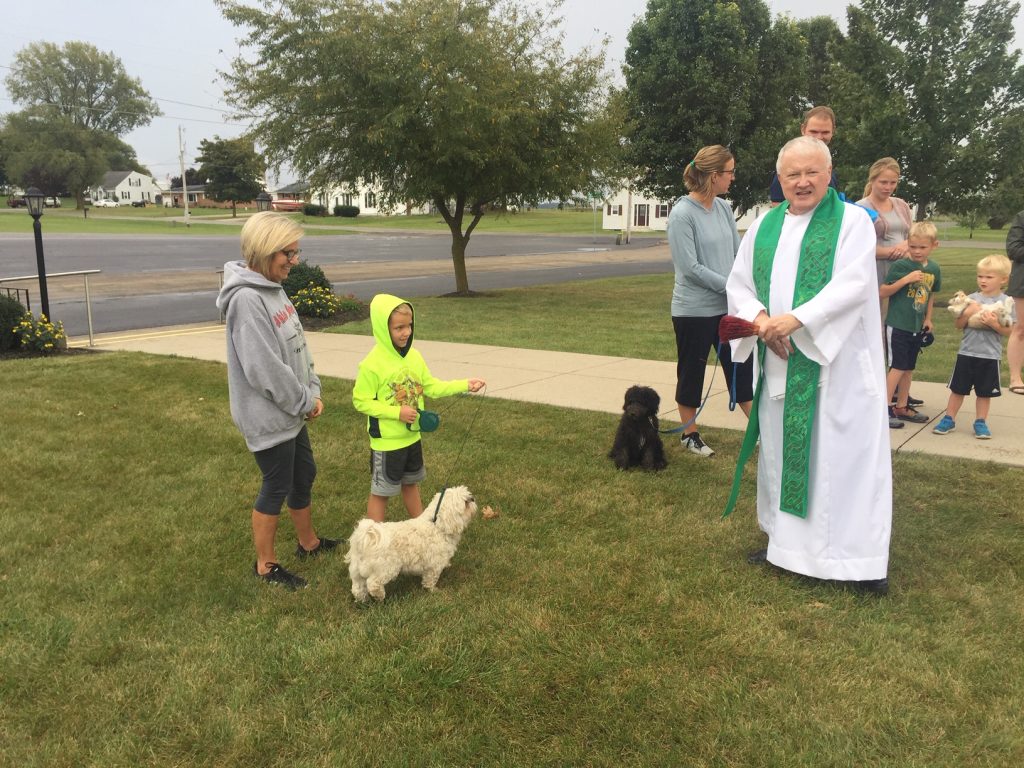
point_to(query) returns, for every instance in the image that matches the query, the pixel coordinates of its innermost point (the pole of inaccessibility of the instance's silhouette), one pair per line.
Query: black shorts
(904, 347)
(981, 373)
(695, 338)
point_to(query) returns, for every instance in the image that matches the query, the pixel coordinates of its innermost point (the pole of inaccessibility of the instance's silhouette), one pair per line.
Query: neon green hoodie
(390, 378)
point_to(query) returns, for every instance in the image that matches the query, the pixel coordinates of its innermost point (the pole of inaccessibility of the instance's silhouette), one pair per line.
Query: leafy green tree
(81, 84)
(466, 104)
(232, 169)
(921, 81)
(192, 176)
(56, 155)
(702, 72)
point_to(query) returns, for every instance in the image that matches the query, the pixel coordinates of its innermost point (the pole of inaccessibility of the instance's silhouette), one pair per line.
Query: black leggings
(288, 473)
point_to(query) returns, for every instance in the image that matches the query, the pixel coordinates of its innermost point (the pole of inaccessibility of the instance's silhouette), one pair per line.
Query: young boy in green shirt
(910, 287)
(389, 390)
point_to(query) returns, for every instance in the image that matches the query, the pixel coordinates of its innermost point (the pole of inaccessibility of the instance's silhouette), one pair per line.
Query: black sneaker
(278, 575)
(325, 545)
(913, 402)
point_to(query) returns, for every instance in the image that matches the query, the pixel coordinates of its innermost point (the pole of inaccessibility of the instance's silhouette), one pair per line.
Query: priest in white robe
(804, 275)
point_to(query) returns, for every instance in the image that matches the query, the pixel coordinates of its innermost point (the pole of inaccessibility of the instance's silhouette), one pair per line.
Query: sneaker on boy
(894, 423)
(909, 414)
(945, 426)
(694, 444)
(981, 430)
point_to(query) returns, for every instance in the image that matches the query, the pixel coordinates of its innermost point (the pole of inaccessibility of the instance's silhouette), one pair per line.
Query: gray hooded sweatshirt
(271, 381)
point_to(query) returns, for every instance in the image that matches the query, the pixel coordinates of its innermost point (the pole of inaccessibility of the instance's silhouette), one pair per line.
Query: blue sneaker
(945, 426)
(981, 430)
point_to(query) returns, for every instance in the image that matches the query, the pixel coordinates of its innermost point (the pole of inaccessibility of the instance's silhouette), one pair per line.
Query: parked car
(140, 203)
(16, 202)
(51, 202)
(104, 203)
(287, 205)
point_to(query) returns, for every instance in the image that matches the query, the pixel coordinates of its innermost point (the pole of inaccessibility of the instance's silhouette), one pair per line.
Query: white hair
(804, 142)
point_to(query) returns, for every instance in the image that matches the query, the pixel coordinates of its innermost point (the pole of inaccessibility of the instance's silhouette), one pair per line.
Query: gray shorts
(390, 470)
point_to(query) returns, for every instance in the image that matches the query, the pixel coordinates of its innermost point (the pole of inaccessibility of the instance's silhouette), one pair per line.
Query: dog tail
(365, 537)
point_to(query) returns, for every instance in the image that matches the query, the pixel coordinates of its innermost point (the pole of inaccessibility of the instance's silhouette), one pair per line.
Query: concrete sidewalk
(592, 382)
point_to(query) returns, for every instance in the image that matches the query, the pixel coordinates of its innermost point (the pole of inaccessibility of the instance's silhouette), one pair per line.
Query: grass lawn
(603, 619)
(629, 317)
(136, 221)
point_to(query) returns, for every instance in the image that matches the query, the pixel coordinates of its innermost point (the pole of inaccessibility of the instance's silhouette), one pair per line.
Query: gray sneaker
(694, 444)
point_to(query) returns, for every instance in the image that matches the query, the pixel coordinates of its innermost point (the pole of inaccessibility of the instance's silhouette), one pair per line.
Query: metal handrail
(84, 272)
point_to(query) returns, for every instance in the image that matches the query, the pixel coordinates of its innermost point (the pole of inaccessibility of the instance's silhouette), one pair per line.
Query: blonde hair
(923, 230)
(821, 111)
(405, 308)
(885, 164)
(997, 264)
(264, 235)
(699, 173)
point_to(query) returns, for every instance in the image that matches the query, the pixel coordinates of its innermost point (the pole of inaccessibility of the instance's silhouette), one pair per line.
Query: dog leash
(462, 446)
(707, 395)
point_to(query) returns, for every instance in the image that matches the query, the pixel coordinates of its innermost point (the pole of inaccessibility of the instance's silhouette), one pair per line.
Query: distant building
(127, 187)
(366, 198)
(647, 214)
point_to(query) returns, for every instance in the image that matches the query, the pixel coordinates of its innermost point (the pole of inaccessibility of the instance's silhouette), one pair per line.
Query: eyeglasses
(292, 254)
(731, 173)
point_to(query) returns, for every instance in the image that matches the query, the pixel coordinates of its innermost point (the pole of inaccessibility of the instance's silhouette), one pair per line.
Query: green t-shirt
(909, 305)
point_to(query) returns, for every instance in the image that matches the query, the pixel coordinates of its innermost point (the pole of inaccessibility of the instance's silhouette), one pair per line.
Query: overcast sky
(176, 49)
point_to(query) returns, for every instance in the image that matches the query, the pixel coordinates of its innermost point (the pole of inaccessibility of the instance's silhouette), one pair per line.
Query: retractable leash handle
(428, 421)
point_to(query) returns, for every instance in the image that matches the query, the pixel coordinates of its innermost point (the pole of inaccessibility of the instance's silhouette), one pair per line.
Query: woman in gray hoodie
(273, 389)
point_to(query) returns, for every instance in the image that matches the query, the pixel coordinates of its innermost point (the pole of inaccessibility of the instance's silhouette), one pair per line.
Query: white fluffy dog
(379, 552)
(1002, 309)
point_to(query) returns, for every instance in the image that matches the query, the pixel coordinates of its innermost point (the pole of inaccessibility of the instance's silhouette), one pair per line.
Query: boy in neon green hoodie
(389, 389)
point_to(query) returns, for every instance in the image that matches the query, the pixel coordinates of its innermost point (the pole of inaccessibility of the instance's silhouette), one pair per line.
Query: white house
(647, 214)
(126, 187)
(365, 198)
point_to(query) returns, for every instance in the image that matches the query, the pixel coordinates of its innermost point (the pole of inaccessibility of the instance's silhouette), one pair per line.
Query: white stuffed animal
(1001, 309)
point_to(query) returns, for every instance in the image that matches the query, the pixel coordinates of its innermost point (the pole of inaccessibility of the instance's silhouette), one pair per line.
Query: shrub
(41, 335)
(349, 211)
(316, 301)
(11, 313)
(312, 209)
(305, 275)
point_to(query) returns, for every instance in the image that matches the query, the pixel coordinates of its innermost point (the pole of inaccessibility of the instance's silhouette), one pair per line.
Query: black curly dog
(637, 442)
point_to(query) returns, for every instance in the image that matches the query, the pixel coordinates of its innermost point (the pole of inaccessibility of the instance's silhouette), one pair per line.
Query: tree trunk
(459, 262)
(454, 218)
(234, 209)
(922, 207)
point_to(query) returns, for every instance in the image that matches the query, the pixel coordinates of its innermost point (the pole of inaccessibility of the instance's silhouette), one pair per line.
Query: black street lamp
(263, 201)
(34, 199)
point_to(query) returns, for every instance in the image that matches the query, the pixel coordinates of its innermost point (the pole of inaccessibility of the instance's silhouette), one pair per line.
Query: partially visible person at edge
(273, 388)
(804, 274)
(818, 123)
(1015, 289)
(702, 239)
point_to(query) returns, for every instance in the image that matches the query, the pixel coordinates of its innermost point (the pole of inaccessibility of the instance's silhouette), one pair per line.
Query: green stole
(817, 256)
